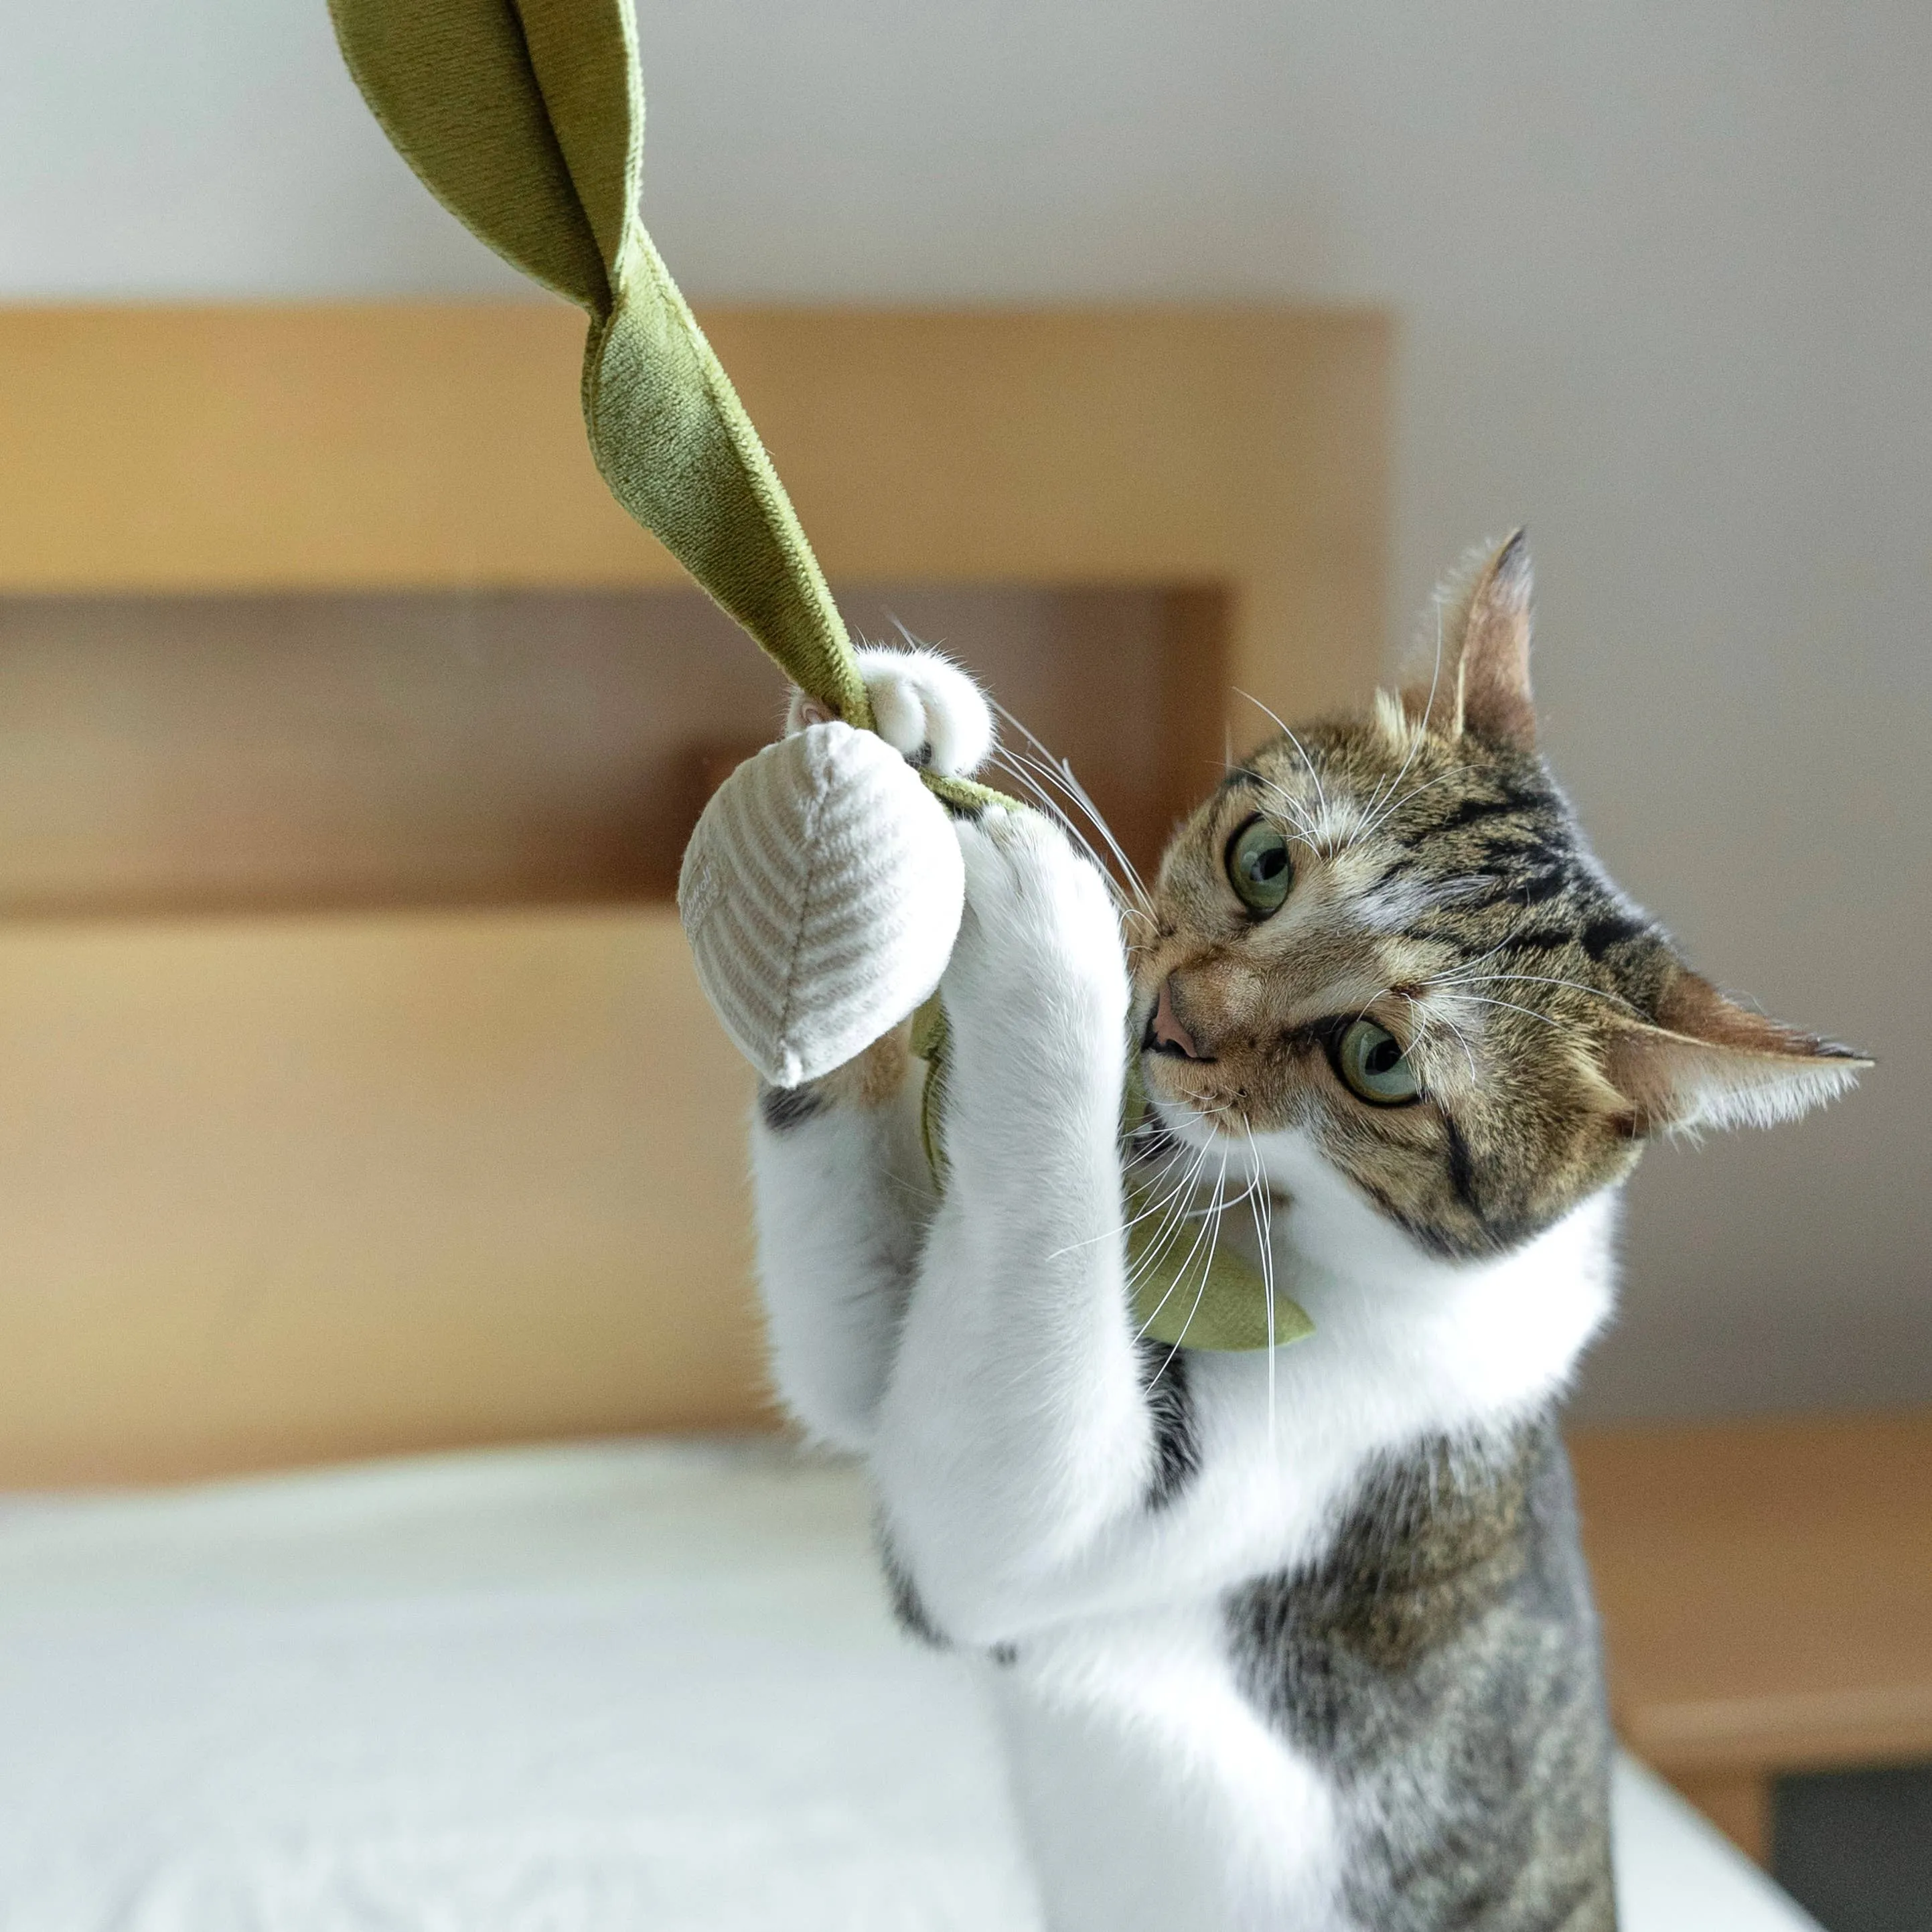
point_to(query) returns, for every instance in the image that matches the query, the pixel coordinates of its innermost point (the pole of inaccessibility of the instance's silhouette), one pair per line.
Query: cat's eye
(1371, 1063)
(1258, 866)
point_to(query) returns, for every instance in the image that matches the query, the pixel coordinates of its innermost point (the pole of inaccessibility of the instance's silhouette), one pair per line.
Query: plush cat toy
(821, 900)
(823, 888)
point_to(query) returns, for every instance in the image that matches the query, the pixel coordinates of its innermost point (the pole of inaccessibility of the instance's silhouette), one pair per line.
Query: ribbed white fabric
(821, 893)
(602, 1686)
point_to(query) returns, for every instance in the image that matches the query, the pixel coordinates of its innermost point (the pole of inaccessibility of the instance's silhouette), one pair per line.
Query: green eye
(1257, 867)
(1371, 1061)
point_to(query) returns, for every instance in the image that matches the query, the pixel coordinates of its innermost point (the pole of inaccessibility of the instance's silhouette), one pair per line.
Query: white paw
(1039, 947)
(925, 707)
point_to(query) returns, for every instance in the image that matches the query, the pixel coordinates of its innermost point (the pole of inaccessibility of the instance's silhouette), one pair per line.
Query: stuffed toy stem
(525, 118)
(674, 444)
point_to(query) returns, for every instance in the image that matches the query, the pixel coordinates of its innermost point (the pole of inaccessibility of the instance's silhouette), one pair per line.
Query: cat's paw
(1040, 947)
(925, 706)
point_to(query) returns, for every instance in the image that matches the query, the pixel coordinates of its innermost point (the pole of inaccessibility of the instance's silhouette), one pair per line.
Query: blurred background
(373, 867)
(1661, 280)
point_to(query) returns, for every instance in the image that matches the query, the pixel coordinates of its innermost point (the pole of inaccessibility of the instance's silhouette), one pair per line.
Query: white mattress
(584, 1689)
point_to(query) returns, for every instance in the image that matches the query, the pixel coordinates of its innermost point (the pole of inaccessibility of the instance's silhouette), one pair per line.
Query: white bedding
(628, 1687)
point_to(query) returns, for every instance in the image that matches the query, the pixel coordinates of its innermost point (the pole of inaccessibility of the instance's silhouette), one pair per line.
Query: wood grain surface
(297, 1166)
(1766, 1593)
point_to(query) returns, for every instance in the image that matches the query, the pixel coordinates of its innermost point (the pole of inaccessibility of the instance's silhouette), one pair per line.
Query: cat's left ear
(1478, 678)
(1712, 1063)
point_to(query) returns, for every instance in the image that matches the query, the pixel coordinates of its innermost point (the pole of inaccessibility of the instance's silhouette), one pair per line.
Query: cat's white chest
(1155, 1794)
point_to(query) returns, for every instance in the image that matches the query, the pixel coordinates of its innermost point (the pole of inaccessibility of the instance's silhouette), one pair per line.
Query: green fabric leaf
(930, 1041)
(1190, 1290)
(525, 118)
(584, 56)
(452, 83)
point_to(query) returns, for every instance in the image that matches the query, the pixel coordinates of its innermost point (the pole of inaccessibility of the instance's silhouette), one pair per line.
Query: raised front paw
(1039, 956)
(925, 706)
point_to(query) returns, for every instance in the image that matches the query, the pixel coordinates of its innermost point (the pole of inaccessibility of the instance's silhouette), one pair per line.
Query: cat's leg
(841, 1192)
(842, 1189)
(1015, 1436)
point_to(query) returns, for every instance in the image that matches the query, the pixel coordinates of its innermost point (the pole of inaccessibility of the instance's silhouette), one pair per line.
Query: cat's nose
(1165, 1032)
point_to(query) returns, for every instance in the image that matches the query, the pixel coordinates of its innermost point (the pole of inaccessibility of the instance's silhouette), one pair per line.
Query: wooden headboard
(299, 1163)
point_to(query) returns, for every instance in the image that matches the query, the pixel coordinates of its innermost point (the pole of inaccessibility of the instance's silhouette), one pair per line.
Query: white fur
(980, 1354)
(924, 705)
(1720, 1087)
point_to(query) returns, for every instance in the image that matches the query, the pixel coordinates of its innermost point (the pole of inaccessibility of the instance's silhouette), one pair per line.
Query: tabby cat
(1288, 1638)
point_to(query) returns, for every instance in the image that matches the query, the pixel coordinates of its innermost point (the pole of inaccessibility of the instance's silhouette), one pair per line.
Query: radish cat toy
(823, 888)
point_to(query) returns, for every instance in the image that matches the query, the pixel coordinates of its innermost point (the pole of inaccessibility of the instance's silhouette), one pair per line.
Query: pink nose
(1165, 1031)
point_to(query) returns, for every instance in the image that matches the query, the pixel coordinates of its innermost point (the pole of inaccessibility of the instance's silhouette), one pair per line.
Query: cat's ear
(1710, 1062)
(1477, 672)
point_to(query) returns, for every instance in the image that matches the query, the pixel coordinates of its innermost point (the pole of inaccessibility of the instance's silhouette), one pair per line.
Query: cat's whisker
(1168, 1203)
(1210, 1228)
(1199, 1293)
(1093, 812)
(1309, 820)
(1409, 797)
(1016, 767)
(1322, 796)
(1181, 1153)
(1077, 792)
(1294, 810)
(1432, 1019)
(1292, 807)
(1264, 1214)
(1128, 1223)
(1536, 979)
(1221, 1206)
(1449, 974)
(1510, 1005)
(1163, 1238)
(1159, 1247)
(1129, 892)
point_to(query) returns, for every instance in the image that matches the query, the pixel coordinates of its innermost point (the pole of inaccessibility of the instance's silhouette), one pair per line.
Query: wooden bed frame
(288, 1178)
(286, 1182)
(1766, 1593)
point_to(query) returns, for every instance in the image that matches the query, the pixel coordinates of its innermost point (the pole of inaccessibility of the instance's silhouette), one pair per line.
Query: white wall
(1663, 270)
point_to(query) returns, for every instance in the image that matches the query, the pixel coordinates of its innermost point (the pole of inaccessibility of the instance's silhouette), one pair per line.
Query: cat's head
(1383, 942)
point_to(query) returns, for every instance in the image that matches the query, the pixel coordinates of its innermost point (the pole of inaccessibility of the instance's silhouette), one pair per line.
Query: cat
(1294, 1638)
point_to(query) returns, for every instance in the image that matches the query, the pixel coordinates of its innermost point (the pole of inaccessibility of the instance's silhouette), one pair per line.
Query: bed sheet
(592, 1688)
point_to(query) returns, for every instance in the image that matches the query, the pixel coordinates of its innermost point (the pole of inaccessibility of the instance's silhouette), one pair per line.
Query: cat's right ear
(1711, 1062)
(1474, 674)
